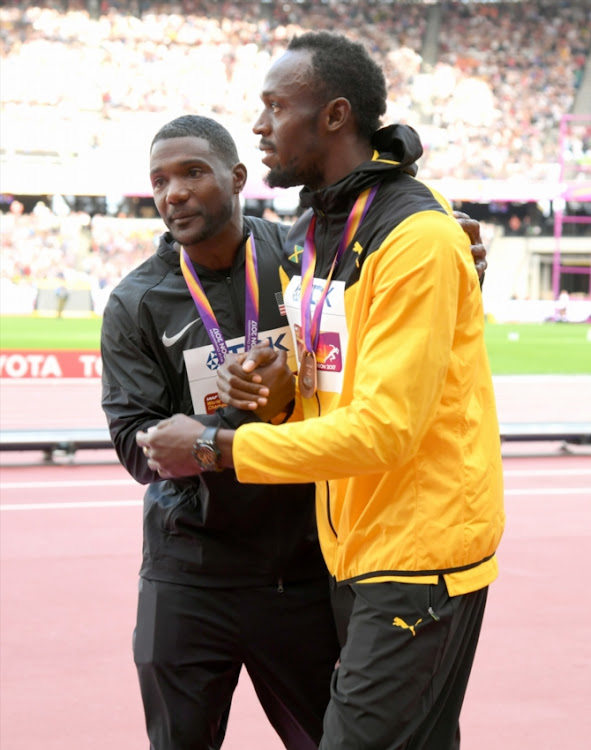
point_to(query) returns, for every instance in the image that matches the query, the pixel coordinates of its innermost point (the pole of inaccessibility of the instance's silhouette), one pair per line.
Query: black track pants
(190, 644)
(404, 667)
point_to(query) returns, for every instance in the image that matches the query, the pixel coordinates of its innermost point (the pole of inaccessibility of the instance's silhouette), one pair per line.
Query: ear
(239, 175)
(338, 112)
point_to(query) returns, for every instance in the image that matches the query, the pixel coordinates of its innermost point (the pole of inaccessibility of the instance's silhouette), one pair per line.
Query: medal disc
(307, 375)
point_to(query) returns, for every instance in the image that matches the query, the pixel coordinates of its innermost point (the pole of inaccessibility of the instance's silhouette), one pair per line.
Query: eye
(157, 183)
(274, 107)
(195, 172)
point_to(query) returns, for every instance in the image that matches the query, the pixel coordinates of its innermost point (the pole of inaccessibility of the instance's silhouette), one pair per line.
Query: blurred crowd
(486, 93)
(44, 250)
(504, 77)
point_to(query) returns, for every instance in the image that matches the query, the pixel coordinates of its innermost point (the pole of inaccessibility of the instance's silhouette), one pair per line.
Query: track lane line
(68, 506)
(522, 492)
(128, 482)
(69, 483)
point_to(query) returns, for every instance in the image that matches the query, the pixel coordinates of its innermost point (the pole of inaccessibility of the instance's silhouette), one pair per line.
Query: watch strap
(205, 450)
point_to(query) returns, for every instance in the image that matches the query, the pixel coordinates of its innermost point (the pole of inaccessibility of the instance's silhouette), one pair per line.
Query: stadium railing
(577, 433)
(52, 442)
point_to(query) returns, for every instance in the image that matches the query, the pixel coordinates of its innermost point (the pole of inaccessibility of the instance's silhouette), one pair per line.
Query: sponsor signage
(50, 365)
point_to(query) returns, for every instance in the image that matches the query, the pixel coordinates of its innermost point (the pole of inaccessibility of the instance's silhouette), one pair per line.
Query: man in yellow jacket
(394, 415)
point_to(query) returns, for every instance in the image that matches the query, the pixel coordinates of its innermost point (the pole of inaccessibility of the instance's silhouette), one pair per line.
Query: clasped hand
(472, 229)
(168, 446)
(258, 380)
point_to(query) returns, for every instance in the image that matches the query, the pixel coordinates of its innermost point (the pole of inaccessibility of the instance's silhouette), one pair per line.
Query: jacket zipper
(328, 514)
(322, 225)
(238, 314)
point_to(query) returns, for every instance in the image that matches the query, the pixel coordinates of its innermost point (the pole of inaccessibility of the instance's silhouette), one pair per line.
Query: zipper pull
(280, 586)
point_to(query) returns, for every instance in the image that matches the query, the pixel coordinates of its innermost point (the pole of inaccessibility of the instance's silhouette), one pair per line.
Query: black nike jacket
(158, 361)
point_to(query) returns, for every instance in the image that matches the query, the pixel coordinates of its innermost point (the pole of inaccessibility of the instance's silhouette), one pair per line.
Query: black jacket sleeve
(137, 391)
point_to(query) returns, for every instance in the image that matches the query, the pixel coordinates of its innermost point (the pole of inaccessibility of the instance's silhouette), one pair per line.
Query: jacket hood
(402, 142)
(398, 147)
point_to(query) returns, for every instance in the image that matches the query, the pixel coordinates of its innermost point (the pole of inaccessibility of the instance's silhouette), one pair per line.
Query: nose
(261, 126)
(177, 192)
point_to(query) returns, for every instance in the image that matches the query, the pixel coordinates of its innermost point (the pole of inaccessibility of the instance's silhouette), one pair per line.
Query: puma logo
(170, 340)
(357, 249)
(399, 623)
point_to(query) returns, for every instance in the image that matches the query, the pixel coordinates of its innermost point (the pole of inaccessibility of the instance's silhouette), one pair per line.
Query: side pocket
(438, 618)
(172, 507)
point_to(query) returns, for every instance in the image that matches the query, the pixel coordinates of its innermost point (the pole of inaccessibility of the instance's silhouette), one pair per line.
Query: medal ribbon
(311, 324)
(205, 310)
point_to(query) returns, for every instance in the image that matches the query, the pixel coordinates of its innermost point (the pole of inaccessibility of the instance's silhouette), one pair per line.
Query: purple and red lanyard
(310, 323)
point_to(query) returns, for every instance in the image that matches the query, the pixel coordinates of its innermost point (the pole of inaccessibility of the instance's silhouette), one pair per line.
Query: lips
(268, 151)
(180, 217)
(268, 157)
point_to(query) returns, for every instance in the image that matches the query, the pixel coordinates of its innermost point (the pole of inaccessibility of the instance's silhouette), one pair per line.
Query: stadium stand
(486, 83)
(84, 87)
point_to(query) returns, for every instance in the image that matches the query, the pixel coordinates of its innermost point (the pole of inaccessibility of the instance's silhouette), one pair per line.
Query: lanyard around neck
(205, 310)
(311, 323)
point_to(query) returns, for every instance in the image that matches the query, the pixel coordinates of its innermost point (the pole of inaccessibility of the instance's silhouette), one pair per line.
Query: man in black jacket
(232, 574)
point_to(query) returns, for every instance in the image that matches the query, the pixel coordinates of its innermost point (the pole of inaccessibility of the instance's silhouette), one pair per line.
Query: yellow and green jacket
(402, 437)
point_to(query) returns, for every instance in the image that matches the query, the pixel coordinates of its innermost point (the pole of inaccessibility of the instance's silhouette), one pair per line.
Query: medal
(307, 375)
(310, 323)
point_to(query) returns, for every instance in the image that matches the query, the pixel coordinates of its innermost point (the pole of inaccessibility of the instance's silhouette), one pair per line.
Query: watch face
(206, 457)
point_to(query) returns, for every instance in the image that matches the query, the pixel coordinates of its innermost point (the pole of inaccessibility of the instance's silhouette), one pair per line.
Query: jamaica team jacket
(402, 437)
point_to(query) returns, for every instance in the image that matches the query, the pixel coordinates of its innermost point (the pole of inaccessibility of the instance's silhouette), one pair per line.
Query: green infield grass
(539, 348)
(514, 349)
(29, 332)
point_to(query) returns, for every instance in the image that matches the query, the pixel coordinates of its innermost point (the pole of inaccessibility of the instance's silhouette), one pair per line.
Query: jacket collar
(168, 251)
(396, 150)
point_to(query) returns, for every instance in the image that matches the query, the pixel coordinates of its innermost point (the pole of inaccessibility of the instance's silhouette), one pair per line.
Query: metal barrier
(576, 433)
(68, 441)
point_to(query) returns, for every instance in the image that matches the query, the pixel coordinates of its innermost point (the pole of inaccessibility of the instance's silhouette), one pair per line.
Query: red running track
(70, 542)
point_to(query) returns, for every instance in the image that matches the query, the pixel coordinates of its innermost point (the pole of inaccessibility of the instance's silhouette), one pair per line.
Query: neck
(218, 252)
(344, 159)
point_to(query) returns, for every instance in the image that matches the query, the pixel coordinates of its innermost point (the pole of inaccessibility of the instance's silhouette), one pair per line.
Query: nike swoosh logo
(169, 341)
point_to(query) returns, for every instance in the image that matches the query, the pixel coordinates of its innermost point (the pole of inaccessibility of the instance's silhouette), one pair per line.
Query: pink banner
(50, 365)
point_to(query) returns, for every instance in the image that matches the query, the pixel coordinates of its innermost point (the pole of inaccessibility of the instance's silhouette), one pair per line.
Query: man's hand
(259, 380)
(168, 446)
(472, 229)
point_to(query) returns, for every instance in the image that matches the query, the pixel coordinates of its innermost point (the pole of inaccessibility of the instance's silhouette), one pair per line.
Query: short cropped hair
(210, 130)
(344, 68)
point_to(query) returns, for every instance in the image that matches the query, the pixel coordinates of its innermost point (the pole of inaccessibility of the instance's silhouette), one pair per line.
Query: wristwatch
(205, 451)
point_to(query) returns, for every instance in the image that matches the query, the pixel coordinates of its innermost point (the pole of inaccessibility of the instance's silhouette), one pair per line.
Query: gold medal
(307, 375)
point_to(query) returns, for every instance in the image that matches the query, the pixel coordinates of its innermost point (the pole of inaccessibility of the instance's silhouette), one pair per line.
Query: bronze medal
(307, 375)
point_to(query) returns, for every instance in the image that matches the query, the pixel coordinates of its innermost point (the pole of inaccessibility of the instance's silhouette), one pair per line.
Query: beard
(211, 224)
(292, 177)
